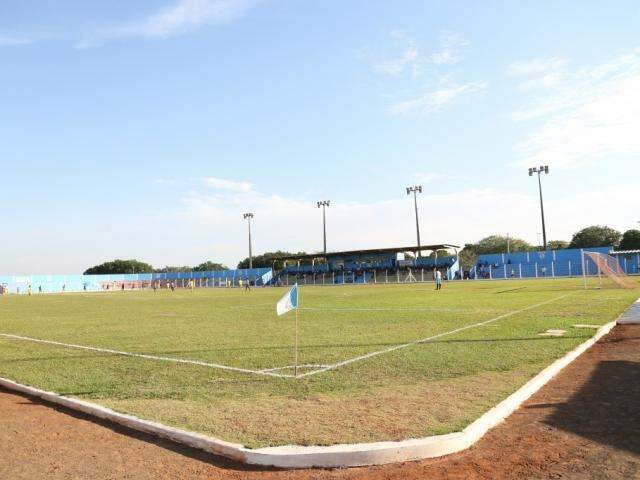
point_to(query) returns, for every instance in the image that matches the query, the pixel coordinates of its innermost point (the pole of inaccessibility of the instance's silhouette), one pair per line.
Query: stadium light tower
(540, 170)
(248, 217)
(415, 190)
(324, 204)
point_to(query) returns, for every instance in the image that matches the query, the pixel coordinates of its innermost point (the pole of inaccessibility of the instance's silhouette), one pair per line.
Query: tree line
(593, 236)
(135, 266)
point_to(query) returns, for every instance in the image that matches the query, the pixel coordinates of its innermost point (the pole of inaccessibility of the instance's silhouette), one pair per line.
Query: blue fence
(537, 264)
(97, 283)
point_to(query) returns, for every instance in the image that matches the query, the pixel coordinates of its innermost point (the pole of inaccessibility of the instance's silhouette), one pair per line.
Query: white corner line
(345, 455)
(273, 372)
(147, 357)
(366, 356)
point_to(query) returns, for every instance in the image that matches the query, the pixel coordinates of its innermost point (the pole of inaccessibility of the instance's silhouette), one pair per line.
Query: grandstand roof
(347, 253)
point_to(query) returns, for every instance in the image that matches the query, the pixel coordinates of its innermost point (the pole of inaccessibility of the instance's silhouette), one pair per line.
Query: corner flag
(288, 302)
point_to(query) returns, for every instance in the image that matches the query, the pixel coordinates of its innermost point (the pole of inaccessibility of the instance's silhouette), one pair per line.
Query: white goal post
(601, 264)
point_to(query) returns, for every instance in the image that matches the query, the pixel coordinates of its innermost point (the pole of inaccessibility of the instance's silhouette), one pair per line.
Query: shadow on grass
(606, 409)
(193, 453)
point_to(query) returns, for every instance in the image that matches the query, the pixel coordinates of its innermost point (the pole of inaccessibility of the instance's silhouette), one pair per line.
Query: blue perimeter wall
(97, 283)
(557, 263)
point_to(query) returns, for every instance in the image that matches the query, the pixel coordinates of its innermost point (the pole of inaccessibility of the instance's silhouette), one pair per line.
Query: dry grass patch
(399, 413)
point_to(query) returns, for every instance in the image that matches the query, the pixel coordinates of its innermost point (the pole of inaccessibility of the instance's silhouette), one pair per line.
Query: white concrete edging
(631, 316)
(343, 455)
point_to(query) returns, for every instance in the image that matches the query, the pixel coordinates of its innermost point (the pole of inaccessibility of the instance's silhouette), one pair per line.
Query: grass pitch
(434, 387)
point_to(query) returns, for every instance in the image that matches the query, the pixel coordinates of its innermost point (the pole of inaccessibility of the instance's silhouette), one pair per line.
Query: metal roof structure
(373, 251)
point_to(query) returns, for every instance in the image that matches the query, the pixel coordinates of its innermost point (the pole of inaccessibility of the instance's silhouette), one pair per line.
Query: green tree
(441, 253)
(630, 240)
(119, 266)
(468, 256)
(209, 266)
(557, 244)
(500, 244)
(491, 244)
(168, 268)
(267, 259)
(595, 236)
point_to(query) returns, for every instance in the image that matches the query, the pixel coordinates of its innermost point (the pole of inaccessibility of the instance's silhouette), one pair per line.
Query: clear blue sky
(145, 129)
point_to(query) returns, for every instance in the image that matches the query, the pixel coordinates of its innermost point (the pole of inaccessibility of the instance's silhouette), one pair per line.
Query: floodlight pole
(248, 217)
(540, 170)
(415, 190)
(324, 204)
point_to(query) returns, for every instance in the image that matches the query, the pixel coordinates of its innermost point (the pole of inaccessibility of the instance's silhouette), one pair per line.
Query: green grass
(430, 388)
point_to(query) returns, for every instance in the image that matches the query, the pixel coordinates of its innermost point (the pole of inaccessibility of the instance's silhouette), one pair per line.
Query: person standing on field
(438, 280)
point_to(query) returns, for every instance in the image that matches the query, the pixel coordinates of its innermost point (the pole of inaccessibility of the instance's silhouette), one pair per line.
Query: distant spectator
(438, 280)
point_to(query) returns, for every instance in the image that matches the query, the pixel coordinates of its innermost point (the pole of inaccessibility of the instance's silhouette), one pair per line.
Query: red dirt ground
(585, 424)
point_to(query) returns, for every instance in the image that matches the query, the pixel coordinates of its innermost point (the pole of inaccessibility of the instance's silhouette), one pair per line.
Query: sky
(146, 129)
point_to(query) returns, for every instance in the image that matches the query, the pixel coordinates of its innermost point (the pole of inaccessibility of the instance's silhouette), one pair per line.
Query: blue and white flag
(288, 302)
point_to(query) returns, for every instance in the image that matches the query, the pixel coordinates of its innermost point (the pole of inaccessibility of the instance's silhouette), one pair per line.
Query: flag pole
(295, 368)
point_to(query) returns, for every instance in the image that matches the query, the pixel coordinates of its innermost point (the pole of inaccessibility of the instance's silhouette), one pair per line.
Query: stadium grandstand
(380, 265)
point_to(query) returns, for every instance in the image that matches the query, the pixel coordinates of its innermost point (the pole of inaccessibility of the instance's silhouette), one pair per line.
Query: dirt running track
(585, 424)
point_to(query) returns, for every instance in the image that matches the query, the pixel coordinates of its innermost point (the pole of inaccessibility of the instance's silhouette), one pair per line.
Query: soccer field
(379, 362)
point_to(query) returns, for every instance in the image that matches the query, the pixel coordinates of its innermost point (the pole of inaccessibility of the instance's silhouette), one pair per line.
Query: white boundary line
(148, 357)
(291, 367)
(347, 455)
(428, 339)
(271, 372)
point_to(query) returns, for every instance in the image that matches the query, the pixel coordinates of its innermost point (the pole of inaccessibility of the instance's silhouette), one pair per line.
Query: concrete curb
(346, 455)
(631, 316)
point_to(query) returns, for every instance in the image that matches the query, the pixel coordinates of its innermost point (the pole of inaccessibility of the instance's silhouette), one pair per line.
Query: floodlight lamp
(419, 188)
(546, 169)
